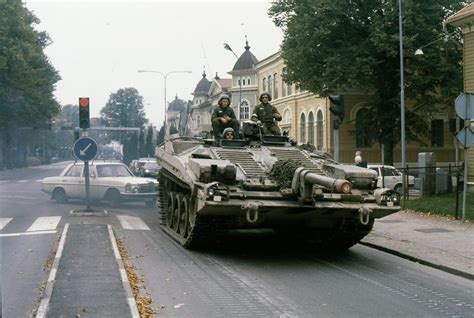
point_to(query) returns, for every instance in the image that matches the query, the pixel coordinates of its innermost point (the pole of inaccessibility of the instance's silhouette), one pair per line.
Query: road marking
(22, 181)
(132, 223)
(39, 180)
(27, 233)
(4, 181)
(44, 223)
(4, 222)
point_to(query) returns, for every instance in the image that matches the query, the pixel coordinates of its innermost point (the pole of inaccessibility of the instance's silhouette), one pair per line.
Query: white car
(392, 178)
(109, 181)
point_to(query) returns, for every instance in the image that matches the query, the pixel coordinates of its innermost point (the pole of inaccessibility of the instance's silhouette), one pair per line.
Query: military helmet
(223, 96)
(265, 93)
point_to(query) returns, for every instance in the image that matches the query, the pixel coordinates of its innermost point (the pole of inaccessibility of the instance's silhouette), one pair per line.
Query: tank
(207, 187)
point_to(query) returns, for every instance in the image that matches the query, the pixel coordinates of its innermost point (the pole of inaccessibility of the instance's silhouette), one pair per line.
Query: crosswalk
(49, 225)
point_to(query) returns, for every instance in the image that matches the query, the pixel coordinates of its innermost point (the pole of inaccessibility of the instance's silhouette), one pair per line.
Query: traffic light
(337, 106)
(84, 115)
(380, 135)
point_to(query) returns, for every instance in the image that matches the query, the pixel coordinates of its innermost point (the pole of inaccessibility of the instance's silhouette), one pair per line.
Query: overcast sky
(99, 46)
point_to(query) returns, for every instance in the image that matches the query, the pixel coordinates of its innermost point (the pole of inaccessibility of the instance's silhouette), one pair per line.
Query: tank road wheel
(176, 212)
(191, 221)
(170, 209)
(183, 216)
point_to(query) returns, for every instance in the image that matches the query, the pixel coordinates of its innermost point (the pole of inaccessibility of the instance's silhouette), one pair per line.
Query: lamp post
(165, 76)
(402, 100)
(228, 48)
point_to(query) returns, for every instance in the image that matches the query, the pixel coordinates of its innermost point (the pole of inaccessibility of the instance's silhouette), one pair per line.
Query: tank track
(203, 229)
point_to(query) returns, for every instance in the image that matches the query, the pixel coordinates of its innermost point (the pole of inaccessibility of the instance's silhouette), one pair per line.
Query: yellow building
(465, 20)
(306, 117)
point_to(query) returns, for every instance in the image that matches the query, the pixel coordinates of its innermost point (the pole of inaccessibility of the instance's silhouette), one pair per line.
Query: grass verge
(443, 205)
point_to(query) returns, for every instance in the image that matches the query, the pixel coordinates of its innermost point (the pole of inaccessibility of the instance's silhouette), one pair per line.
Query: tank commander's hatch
(234, 143)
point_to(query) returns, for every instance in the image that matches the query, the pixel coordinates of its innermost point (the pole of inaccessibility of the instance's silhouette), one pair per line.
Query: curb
(419, 260)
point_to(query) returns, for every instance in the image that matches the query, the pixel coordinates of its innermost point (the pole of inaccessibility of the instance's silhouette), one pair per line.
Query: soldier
(266, 114)
(223, 117)
(228, 134)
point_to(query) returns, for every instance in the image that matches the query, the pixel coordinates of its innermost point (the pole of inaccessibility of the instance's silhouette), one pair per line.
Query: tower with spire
(244, 87)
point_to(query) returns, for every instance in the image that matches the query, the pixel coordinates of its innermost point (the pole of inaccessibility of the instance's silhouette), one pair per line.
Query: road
(245, 274)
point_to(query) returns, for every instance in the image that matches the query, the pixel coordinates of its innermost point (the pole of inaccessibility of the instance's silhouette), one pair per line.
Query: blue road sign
(85, 149)
(464, 106)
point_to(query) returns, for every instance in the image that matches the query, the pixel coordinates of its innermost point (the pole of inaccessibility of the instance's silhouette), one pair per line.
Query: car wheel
(60, 195)
(398, 189)
(113, 197)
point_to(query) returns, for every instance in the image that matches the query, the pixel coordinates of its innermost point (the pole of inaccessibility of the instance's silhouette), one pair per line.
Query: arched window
(320, 130)
(264, 84)
(248, 81)
(244, 110)
(275, 85)
(303, 128)
(363, 129)
(270, 84)
(311, 128)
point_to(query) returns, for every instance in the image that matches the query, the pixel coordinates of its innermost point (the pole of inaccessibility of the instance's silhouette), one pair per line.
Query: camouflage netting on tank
(282, 172)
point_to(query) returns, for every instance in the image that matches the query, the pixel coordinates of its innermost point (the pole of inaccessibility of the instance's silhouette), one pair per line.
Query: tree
(336, 46)
(27, 78)
(125, 109)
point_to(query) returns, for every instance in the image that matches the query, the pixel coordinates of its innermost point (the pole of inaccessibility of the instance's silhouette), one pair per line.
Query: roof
(203, 85)
(177, 105)
(225, 82)
(465, 12)
(246, 61)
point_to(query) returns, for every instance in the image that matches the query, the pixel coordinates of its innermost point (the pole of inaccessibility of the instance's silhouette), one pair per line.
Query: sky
(98, 47)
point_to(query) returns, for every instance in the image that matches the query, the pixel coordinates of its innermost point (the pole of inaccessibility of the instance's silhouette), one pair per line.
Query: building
(464, 19)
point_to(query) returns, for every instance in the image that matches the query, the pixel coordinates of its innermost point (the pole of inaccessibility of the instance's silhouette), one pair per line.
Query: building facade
(465, 20)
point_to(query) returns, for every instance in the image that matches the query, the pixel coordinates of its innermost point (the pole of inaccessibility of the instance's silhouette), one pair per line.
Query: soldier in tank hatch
(224, 117)
(267, 115)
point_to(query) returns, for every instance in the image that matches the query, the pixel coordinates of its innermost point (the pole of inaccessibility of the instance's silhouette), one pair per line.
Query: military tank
(208, 187)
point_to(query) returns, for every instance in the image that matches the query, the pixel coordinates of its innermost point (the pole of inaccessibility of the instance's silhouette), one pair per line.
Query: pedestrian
(224, 117)
(228, 134)
(359, 161)
(267, 115)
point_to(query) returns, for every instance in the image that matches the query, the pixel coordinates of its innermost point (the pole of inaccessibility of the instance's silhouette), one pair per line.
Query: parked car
(392, 178)
(135, 165)
(112, 182)
(150, 169)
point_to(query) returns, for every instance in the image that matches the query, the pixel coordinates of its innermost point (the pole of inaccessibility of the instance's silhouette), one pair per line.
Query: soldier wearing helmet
(224, 117)
(267, 115)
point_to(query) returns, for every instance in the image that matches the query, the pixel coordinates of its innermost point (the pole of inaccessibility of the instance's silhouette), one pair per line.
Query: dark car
(149, 169)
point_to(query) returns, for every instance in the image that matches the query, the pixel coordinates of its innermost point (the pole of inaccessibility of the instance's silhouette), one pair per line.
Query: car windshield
(151, 165)
(113, 171)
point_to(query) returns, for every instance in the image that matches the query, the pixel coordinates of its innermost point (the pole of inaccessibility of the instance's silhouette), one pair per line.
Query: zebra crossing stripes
(4, 222)
(44, 223)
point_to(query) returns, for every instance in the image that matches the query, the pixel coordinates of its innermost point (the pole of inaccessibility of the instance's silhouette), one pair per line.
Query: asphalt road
(246, 274)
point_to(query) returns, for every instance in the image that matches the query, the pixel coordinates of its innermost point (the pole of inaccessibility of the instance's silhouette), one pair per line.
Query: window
(248, 81)
(244, 110)
(270, 84)
(437, 135)
(311, 128)
(275, 85)
(264, 84)
(303, 128)
(238, 82)
(362, 129)
(320, 129)
(75, 171)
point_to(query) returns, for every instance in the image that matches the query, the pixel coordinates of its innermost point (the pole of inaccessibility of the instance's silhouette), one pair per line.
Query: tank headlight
(210, 192)
(386, 197)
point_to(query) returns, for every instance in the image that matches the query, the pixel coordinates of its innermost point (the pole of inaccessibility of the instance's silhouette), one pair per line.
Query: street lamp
(165, 76)
(402, 100)
(228, 48)
(444, 37)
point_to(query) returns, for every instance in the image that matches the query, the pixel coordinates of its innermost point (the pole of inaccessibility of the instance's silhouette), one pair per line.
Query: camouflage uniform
(219, 112)
(264, 113)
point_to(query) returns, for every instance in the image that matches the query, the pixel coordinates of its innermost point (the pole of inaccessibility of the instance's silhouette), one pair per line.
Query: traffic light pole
(336, 139)
(87, 180)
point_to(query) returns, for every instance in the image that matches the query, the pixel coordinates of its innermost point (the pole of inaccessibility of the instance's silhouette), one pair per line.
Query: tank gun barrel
(303, 181)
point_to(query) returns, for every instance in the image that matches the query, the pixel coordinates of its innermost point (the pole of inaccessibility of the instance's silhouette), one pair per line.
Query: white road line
(44, 223)
(4, 181)
(4, 222)
(39, 180)
(22, 181)
(132, 223)
(27, 233)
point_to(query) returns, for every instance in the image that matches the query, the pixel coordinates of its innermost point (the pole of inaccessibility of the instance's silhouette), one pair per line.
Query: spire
(247, 47)
(217, 76)
(203, 71)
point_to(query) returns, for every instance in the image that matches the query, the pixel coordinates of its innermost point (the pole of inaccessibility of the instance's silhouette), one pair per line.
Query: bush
(33, 161)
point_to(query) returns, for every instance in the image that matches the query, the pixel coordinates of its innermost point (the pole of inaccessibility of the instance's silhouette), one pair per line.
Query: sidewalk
(439, 242)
